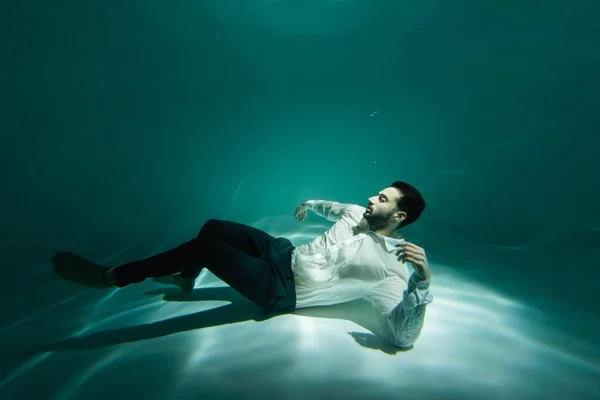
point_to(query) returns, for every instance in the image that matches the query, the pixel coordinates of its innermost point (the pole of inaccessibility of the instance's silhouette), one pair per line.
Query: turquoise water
(126, 125)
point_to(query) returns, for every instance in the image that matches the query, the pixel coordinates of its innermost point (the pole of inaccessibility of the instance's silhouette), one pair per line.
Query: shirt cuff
(415, 282)
(420, 289)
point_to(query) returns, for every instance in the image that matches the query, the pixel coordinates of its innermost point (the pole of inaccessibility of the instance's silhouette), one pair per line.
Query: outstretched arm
(330, 210)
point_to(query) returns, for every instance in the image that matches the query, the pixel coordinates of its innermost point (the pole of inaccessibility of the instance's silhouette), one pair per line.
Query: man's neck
(363, 225)
(385, 232)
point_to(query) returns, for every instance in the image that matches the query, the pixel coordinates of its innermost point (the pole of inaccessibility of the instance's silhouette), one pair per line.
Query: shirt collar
(388, 243)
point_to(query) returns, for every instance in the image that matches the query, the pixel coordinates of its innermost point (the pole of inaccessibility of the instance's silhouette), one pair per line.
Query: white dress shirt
(350, 262)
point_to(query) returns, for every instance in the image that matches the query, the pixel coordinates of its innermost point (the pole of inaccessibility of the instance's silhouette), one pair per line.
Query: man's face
(381, 208)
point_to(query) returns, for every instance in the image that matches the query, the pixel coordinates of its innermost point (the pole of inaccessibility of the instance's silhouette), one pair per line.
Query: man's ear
(400, 216)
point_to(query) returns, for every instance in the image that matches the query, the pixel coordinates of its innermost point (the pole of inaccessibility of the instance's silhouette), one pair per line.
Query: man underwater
(360, 256)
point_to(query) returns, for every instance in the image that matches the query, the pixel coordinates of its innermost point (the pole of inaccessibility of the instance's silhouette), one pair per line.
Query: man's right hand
(301, 212)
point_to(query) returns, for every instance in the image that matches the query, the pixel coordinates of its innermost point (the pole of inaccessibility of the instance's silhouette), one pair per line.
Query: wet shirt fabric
(350, 262)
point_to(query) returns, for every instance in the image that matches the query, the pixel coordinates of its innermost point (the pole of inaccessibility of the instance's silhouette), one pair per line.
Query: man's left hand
(416, 256)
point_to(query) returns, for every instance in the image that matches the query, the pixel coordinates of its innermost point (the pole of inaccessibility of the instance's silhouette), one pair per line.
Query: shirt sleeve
(331, 210)
(402, 325)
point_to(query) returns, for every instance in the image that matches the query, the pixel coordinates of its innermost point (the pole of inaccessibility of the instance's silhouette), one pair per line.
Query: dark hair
(411, 202)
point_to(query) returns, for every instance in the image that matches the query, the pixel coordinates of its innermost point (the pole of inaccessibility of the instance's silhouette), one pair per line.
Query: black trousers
(249, 260)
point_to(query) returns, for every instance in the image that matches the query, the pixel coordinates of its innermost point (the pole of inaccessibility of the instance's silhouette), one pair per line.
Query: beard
(378, 221)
